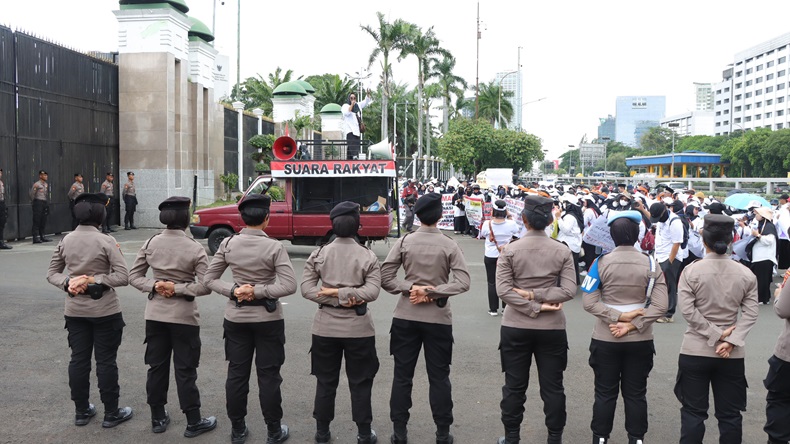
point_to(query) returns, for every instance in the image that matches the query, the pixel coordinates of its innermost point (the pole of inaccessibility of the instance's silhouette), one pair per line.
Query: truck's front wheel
(216, 237)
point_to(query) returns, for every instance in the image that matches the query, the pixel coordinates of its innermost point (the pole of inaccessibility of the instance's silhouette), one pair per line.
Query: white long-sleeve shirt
(350, 122)
(570, 233)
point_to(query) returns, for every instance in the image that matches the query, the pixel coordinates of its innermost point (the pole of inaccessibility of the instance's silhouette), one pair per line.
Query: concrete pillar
(239, 107)
(710, 171)
(698, 170)
(684, 170)
(711, 186)
(661, 171)
(769, 186)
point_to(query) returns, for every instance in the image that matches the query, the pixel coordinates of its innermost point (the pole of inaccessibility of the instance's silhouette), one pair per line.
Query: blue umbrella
(744, 201)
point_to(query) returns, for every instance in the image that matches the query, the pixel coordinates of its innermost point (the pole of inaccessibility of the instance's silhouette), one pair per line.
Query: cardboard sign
(333, 168)
(598, 234)
(446, 223)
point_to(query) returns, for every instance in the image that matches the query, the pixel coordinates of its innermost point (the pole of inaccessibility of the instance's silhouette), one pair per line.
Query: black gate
(66, 122)
(231, 120)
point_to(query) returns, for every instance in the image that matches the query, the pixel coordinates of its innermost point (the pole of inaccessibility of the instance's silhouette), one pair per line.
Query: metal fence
(250, 129)
(59, 113)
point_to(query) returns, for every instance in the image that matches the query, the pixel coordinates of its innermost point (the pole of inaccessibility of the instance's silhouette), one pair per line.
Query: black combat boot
(600, 440)
(239, 432)
(635, 440)
(554, 437)
(5, 246)
(277, 432)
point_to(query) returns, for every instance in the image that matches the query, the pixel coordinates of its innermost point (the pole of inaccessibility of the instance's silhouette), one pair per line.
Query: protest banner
(446, 223)
(598, 234)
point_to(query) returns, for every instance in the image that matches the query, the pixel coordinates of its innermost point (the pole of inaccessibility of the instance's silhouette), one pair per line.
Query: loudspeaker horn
(380, 151)
(284, 148)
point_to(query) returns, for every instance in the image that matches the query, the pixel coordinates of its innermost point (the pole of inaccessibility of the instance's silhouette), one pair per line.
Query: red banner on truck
(333, 168)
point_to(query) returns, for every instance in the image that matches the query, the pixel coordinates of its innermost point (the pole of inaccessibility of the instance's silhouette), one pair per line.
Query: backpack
(648, 241)
(686, 227)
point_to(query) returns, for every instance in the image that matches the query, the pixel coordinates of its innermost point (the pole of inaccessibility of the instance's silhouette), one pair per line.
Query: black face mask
(664, 216)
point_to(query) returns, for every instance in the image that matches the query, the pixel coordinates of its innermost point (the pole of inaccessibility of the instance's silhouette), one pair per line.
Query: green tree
(658, 140)
(423, 46)
(389, 40)
(330, 88)
(256, 92)
(490, 98)
(451, 84)
(744, 153)
(399, 93)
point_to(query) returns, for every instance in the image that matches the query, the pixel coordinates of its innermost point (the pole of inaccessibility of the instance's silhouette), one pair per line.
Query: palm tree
(489, 101)
(449, 83)
(256, 92)
(389, 38)
(330, 88)
(423, 46)
(432, 91)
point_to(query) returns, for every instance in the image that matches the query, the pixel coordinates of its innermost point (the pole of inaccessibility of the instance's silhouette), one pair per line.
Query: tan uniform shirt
(75, 190)
(354, 271)
(625, 274)
(40, 191)
(176, 258)
(107, 188)
(711, 292)
(257, 260)
(540, 264)
(782, 308)
(86, 251)
(427, 257)
(128, 189)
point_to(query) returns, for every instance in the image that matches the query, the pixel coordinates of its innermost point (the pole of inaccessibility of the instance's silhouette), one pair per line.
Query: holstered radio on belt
(269, 304)
(360, 309)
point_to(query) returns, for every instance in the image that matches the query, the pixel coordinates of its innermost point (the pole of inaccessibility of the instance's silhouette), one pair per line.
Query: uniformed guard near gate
(718, 299)
(39, 198)
(253, 325)
(77, 188)
(422, 315)
(94, 321)
(129, 201)
(343, 326)
(108, 188)
(171, 315)
(3, 214)
(616, 290)
(534, 276)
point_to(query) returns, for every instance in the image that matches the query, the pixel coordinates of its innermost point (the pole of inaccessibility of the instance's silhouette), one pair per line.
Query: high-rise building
(511, 82)
(636, 115)
(693, 123)
(607, 128)
(704, 95)
(753, 90)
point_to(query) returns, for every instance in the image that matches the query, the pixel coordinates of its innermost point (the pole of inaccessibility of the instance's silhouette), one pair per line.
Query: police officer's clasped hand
(244, 292)
(621, 329)
(419, 294)
(352, 301)
(631, 315)
(165, 288)
(79, 284)
(329, 292)
(546, 306)
(526, 294)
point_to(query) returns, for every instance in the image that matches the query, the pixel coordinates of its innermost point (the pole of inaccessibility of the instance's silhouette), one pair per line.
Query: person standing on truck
(343, 326)
(262, 273)
(352, 123)
(422, 315)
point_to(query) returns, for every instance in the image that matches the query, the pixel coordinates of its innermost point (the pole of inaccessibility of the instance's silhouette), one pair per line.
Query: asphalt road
(34, 356)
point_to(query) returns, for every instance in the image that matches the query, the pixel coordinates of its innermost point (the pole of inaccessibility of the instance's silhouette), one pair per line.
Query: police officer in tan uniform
(39, 198)
(77, 188)
(777, 381)
(262, 273)
(108, 188)
(3, 214)
(94, 321)
(171, 315)
(718, 298)
(350, 278)
(535, 275)
(130, 202)
(422, 315)
(617, 288)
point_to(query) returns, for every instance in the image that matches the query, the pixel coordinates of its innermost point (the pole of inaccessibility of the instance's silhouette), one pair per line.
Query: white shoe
(493, 313)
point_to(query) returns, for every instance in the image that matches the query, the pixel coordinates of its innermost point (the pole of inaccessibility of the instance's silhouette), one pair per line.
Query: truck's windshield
(321, 194)
(262, 184)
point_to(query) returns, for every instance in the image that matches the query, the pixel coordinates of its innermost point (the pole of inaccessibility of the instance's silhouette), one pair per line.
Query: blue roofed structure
(662, 164)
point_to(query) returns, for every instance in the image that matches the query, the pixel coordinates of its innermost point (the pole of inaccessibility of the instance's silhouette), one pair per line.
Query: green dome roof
(289, 88)
(331, 108)
(307, 87)
(176, 4)
(200, 30)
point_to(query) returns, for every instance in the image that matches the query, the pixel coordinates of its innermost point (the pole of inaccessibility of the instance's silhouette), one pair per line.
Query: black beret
(718, 223)
(130, 173)
(175, 203)
(783, 196)
(256, 200)
(344, 208)
(538, 204)
(428, 202)
(110, 174)
(99, 198)
(500, 204)
(42, 172)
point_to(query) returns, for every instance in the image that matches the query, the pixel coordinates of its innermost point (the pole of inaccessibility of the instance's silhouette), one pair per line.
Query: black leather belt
(360, 309)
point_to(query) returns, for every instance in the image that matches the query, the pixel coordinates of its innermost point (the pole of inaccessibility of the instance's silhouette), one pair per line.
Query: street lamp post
(672, 126)
(414, 166)
(499, 114)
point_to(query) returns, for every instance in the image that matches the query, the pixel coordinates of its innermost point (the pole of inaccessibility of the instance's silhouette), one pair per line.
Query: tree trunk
(385, 99)
(446, 115)
(419, 108)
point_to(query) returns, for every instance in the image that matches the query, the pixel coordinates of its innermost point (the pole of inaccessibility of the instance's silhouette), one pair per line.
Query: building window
(769, 102)
(747, 95)
(758, 105)
(780, 100)
(718, 123)
(780, 86)
(757, 116)
(758, 79)
(726, 111)
(738, 97)
(718, 113)
(738, 74)
(718, 91)
(748, 71)
(737, 120)
(727, 100)
(748, 119)
(737, 109)
(769, 64)
(768, 115)
(781, 112)
(759, 92)
(726, 122)
(727, 89)
(738, 85)
(748, 107)
(769, 89)
(779, 126)
(781, 59)
(759, 67)
(748, 83)
(718, 102)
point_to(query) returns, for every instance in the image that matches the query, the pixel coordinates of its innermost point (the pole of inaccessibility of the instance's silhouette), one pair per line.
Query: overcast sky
(579, 54)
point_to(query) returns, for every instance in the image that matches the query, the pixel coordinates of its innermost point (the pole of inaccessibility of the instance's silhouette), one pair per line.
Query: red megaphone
(284, 148)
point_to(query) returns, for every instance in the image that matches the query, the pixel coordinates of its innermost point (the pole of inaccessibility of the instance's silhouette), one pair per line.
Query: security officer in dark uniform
(253, 325)
(171, 315)
(39, 197)
(422, 315)
(3, 214)
(96, 268)
(343, 326)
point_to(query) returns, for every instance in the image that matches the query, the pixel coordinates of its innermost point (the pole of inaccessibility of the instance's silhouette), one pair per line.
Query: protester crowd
(641, 272)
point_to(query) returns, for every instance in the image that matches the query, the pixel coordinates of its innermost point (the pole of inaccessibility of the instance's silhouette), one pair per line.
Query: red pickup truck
(311, 189)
